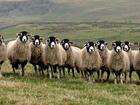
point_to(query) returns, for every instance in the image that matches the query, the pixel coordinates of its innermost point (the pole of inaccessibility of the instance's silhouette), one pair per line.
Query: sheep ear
(32, 38)
(18, 34)
(57, 41)
(106, 43)
(122, 44)
(131, 44)
(41, 39)
(113, 44)
(97, 43)
(2, 37)
(86, 44)
(71, 43)
(48, 40)
(62, 42)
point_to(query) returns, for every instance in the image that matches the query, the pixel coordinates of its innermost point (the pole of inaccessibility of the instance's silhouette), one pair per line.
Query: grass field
(35, 90)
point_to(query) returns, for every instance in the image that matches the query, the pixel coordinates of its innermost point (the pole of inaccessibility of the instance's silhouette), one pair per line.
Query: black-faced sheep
(90, 59)
(118, 62)
(36, 47)
(18, 51)
(2, 52)
(127, 48)
(54, 55)
(72, 55)
(104, 53)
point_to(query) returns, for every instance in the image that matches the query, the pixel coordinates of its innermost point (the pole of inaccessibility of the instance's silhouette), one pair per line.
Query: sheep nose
(102, 46)
(24, 39)
(118, 49)
(37, 42)
(52, 45)
(66, 45)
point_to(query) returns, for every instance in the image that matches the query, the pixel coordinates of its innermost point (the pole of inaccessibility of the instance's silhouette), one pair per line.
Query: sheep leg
(121, 78)
(98, 74)
(115, 78)
(68, 71)
(82, 74)
(130, 75)
(41, 71)
(58, 72)
(102, 73)
(50, 70)
(0, 71)
(23, 68)
(125, 77)
(77, 69)
(108, 75)
(89, 76)
(73, 72)
(35, 68)
(138, 73)
(13, 67)
(63, 71)
(85, 74)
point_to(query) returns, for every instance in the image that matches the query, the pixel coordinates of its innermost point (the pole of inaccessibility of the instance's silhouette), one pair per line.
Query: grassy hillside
(36, 90)
(79, 32)
(17, 11)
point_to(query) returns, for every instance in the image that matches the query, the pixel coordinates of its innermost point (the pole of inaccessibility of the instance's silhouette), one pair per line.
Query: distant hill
(15, 11)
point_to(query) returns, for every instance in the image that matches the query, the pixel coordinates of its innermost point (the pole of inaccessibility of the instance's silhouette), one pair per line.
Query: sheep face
(36, 40)
(66, 44)
(126, 46)
(23, 36)
(90, 46)
(1, 39)
(117, 46)
(101, 44)
(52, 42)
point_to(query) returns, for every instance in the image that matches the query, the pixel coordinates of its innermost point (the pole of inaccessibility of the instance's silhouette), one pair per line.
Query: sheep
(36, 47)
(104, 53)
(90, 59)
(136, 62)
(2, 52)
(72, 55)
(127, 48)
(118, 62)
(54, 55)
(18, 51)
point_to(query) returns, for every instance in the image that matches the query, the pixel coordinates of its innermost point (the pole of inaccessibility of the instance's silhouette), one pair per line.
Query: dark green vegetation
(35, 90)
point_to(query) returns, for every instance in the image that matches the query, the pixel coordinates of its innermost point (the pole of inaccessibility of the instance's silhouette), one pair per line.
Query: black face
(23, 36)
(117, 46)
(52, 41)
(36, 40)
(126, 46)
(101, 44)
(66, 44)
(1, 39)
(90, 46)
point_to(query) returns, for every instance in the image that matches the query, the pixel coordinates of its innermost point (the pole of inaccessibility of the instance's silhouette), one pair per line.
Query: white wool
(90, 61)
(16, 50)
(54, 56)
